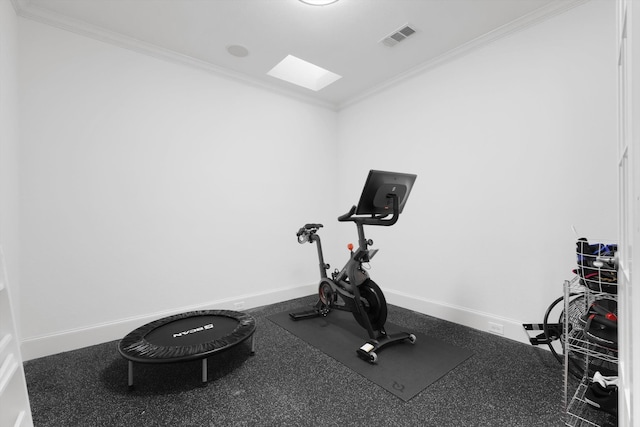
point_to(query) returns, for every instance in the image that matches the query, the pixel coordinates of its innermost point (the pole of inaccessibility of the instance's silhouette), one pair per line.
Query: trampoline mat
(187, 336)
(192, 330)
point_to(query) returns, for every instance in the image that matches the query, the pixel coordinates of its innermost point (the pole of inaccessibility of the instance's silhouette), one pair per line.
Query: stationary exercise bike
(351, 289)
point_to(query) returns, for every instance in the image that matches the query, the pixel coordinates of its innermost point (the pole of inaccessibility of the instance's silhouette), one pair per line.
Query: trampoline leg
(204, 370)
(130, 378)
(253, 344)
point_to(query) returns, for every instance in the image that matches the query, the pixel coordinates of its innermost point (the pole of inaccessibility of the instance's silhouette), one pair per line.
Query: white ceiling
(343, 37)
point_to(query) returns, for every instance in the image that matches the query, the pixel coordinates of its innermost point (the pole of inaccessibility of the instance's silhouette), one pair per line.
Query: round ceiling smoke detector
(318, 2)
(237, 50)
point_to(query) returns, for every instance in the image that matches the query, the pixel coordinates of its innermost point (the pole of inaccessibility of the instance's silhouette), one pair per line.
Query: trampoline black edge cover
(188, 336)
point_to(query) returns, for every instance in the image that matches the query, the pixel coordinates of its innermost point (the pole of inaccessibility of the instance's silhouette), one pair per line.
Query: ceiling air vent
(398, 35)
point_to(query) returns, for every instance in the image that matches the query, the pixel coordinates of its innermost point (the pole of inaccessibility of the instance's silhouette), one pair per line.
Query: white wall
(513, 144)
(151, 188)
(9, 198)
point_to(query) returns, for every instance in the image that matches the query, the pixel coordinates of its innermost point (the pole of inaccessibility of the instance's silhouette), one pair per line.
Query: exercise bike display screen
(379, 185)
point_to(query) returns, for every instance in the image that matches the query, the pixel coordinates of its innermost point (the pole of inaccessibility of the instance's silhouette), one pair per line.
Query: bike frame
(352, 281)
(347, 281)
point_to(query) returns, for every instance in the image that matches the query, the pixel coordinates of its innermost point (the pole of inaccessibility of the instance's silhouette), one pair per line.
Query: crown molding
(25, 10)
(18, 5)
(540, 15)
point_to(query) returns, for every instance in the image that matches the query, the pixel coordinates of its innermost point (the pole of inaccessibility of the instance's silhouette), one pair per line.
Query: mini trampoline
(187, 336)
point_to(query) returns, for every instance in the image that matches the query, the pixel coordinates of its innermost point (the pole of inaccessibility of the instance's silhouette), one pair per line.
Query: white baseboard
(511, 329)
(46, 345)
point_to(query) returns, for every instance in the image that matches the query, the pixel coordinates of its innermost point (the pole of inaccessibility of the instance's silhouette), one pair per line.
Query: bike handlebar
(306, 233)
(374, 219)
(348, 215)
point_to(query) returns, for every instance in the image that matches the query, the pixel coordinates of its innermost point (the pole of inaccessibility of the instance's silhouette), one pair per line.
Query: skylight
(302, 73)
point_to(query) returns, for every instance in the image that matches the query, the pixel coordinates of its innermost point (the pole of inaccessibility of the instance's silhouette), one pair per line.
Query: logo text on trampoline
(194, 330)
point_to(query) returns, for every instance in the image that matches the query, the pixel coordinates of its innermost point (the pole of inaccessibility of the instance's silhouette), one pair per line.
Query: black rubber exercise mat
(403, 369)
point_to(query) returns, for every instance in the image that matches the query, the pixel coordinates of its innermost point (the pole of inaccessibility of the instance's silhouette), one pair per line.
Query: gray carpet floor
(290, 383)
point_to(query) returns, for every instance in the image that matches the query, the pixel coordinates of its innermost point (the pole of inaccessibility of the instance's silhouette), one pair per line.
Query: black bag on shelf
(596, 266)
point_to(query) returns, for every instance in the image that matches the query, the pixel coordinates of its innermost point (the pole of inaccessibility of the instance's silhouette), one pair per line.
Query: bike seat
(312, 226)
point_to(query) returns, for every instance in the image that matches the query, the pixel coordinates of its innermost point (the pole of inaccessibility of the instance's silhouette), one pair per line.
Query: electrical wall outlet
(496, 328)
(239, 305)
